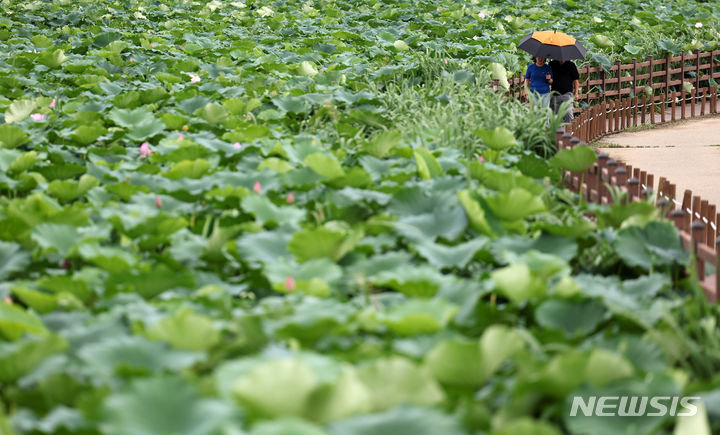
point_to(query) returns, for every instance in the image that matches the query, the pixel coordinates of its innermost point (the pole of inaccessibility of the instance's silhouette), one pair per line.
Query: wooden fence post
(600, 186)
(711, 234)
(697, 68)
(634, 78)
(683, 95)
(558, 137)
(618, 64)
(697, 231)
(635, 111)
(672, 106)
(642, 112)
(667, 73)
(686, 206)
(678, 218)
(692, 102)
(633, 185)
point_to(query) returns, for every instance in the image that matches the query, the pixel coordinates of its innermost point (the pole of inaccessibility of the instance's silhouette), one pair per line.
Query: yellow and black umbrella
(552, 44)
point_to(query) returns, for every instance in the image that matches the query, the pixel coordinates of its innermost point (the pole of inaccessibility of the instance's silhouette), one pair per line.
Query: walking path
(685, 152)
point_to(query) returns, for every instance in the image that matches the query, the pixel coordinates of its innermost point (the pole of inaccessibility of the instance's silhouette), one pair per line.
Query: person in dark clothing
(565, 87)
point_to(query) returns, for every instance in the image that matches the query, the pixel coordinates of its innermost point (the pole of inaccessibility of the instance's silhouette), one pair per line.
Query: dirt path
(687, 153)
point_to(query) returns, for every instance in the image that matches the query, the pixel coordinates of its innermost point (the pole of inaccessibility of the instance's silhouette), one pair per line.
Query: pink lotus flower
(181, 47)
(152, 44)
(237, 145)
(290, 198)
(289, 283)
(149, 31)
(145, 150)
(445, 61)
(481, 159)
(481, 15)
(131, 60)
(8, 300)
(181, 137)
(195, 78)
(37, 116)
(52, 104)
(257, 188)
(158, 202)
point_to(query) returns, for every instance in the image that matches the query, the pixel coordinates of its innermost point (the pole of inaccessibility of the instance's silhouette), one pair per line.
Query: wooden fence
(613, 116)
(697, 221)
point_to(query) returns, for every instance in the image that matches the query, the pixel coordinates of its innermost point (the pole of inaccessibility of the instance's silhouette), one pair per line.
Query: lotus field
(306, 218)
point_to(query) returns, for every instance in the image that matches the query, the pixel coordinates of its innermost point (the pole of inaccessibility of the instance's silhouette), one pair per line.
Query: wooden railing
(613, 116)
(697, 221)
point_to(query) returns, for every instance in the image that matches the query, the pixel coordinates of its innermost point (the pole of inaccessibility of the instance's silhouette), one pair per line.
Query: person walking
(538, 78)
(565, 86)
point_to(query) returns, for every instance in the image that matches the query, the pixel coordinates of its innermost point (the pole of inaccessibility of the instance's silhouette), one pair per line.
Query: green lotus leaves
(655, 245)
(399, 421)
(140, 122)
(457, 362)
(21, 357)
(516, 204)
(420, 316)
(576, 159)
(401, 45)
(323, 242)
(307, 386)
(325, 165)
(11, 136)
(66, 190)
(307, 68)
(265, 211)
(518, 283)
(192, 169)
(15, 321)
(57, 237)
(87, 134)
(572, 318)
(166, 404)
(214, 113)
(12, 259)
(497, 139)
(53, 59)
(395, 381)
(381, 144)
(428, 166)
(186, 330)
(17, 111)
(500, 74)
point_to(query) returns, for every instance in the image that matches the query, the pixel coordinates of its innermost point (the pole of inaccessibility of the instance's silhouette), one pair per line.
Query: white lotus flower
(698, 25)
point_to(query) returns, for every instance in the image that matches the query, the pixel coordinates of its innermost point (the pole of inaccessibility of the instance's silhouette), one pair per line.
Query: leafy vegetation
(229, 217)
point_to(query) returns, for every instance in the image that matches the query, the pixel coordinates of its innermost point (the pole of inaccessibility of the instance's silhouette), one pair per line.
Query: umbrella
(553, 45)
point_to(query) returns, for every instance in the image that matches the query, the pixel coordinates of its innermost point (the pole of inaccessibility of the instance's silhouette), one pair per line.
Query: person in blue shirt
(538, 78)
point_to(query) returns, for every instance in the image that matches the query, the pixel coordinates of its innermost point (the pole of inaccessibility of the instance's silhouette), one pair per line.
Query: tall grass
(441, 104)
